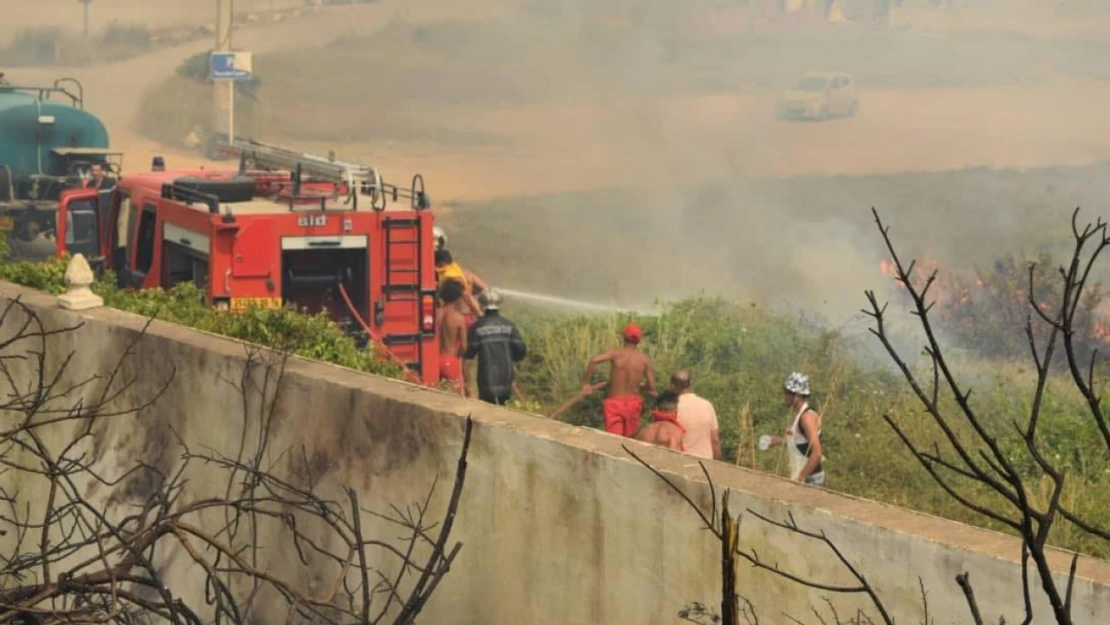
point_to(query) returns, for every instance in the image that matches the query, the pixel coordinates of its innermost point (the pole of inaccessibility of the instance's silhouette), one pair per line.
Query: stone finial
(78, 295)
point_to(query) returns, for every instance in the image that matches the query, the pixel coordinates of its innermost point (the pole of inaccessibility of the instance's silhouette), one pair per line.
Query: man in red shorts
(451, 330)
(628, 368)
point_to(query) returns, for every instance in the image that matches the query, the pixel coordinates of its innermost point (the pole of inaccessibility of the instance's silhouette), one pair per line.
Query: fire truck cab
(285, 229)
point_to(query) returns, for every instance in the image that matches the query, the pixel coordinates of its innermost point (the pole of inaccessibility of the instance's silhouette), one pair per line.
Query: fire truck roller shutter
(314, 266)
(312, 270)
(349, 242)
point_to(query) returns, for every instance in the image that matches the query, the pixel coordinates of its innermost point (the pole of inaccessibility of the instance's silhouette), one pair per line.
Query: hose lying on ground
(570, 403)
(377, 340)
(415, 378)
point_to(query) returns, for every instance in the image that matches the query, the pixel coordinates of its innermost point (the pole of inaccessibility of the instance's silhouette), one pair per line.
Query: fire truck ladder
(357, 179)
(404, 240)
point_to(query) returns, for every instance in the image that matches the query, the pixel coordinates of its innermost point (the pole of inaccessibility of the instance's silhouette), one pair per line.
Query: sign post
(231, 67)
(86, 28)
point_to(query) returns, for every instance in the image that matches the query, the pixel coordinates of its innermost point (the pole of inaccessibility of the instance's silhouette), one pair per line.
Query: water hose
(570, 403)
(377, 340)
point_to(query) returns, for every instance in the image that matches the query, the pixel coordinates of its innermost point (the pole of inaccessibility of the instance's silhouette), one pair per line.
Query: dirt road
(612, 142)
(68, 15)
(567, 147)
(114, 91)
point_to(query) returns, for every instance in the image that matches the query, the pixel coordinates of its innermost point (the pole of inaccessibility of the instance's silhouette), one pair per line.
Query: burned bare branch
(726, 530)
(862, 587)
(71, 560)
(710, 523)
(993, 469)
(964, 581)
(748, 611)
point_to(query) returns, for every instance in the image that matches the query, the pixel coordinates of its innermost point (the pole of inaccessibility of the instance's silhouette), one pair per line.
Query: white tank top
(795, 438)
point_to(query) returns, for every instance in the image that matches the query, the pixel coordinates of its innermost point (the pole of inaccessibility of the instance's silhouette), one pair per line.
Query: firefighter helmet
(440, 237)
(490, 299)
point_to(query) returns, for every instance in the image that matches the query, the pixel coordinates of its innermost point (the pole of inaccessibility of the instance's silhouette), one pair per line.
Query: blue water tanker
(48, 143)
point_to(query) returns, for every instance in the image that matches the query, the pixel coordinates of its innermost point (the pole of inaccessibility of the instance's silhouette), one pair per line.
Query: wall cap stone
(79, 278)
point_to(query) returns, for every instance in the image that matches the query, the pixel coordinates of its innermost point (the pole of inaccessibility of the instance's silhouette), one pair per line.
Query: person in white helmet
(803, 437)
(497, 344)
(440, 237)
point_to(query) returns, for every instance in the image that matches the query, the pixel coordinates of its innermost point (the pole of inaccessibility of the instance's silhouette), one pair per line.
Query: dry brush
(966, 458)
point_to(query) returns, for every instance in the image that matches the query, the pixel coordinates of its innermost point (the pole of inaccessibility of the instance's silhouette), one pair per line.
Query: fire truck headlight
(221, 303)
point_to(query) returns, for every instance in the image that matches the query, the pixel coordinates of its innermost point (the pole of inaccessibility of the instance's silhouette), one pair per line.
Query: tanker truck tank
(48, 143)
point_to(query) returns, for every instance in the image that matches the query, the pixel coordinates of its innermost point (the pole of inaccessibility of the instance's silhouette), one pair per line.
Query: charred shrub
(988, 312)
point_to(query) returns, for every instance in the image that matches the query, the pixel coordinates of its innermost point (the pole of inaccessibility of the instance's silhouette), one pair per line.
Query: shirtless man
(473, 286)
(628, 367)
(665, 430)
(451, 331)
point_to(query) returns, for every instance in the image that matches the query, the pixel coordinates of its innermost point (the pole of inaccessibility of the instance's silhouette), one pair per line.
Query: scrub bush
(182, 103)
(55, 46)
(979, 311)
(738, 355)
(310, 336)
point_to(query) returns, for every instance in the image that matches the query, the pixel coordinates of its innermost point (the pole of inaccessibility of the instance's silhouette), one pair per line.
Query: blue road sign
(231, 66)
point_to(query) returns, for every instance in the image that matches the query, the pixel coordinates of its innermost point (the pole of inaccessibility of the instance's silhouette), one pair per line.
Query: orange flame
(1101, 331)
(947, 292)
(888, 269)
(943, 290)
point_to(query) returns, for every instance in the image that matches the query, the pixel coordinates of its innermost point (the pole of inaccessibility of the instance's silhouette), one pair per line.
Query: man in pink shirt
(698, 417)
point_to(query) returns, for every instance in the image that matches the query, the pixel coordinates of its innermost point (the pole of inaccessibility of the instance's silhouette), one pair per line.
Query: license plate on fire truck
(242, 304)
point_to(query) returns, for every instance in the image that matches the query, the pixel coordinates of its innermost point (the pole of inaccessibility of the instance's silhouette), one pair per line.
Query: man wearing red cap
(628, 368)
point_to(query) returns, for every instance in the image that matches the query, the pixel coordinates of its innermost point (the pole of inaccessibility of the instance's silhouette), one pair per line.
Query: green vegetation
(311, 336)
(183, 104)
(54, 46)
(178, 107)
(738, 355)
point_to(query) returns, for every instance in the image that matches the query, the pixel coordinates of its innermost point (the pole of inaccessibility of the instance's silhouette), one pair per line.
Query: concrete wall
(558, 524)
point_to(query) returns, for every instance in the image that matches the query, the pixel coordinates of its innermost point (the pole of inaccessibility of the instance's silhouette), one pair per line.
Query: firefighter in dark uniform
(497, 344)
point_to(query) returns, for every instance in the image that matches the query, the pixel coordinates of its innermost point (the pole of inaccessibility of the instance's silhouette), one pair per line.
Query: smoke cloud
(623, 151)
(657, 120)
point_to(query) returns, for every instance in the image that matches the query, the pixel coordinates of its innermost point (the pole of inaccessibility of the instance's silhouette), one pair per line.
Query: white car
(820, 96)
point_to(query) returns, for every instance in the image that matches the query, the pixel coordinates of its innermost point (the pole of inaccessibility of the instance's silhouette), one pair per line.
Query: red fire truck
(287, 228)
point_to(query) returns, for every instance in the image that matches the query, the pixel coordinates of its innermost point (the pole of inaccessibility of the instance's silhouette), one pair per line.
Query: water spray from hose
(565, 302)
